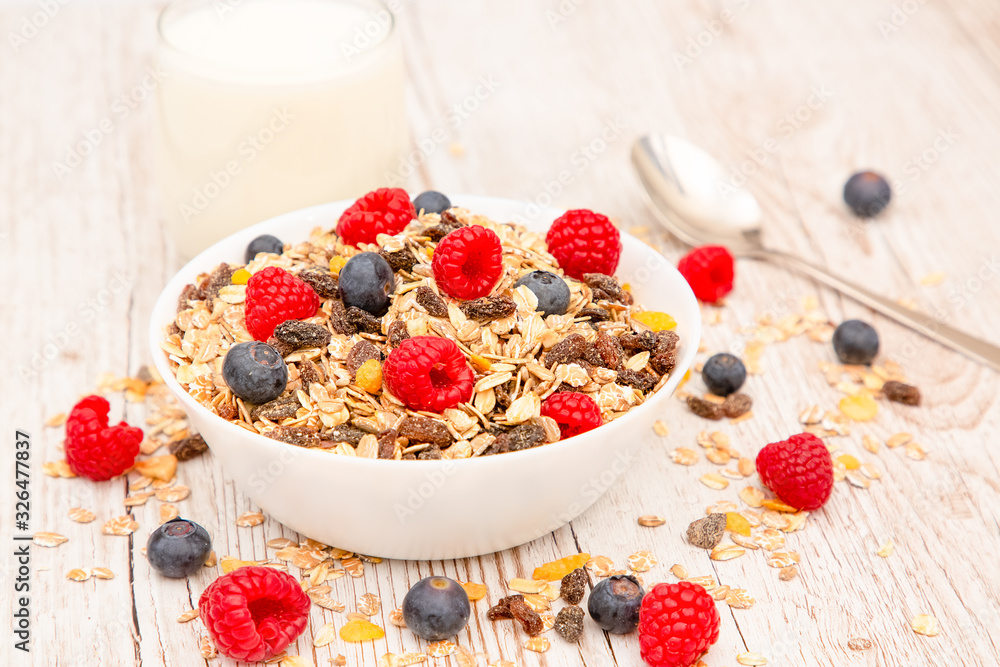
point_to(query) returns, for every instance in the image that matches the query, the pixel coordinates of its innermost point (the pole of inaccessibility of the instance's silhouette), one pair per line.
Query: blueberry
(431, 201)
(867, 194)
(178, 548)
(366, 281)
(436, 608)
(263, 243)
(614, 604)
(255, 372)
(551, 290)
(724, 374)
(855, 342)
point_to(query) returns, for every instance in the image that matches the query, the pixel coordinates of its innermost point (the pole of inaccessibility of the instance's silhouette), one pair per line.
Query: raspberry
(799, 470)
(468, 262)
(274, 296)
(574, 412)
(428, 373)
(584, 242)
(253, 613)
(382, 211)
(95, 450)
(677, 624)
(709, 272)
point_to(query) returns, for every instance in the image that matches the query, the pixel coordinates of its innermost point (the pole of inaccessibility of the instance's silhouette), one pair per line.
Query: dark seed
(706, 533)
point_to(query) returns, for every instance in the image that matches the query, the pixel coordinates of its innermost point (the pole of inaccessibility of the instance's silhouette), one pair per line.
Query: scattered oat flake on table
(281, 543)
(173, 494)
(228, 564)
(679, 571)
(526, 585)
(899, 439)
(915, 451)
(537, 644)
(660, 428)
(326, 635)
(714, 480)
(601, 566)
(354, 567)
(44, 539)
(56, 420)
(859, 407)
(101, 573)
(651, 520)
(296, 661)
(441, 649)
(641, 561)
(738, 598)
(727, 552)
(369, 604)
(328, 602)
(168, 512)
(208, 650)
(250, 519)
(396, 617)
(886, 549)
(935, 278)
(211, 560)
(76, 574)
(925, 624)
(81, 515)
(751, 659)
(121, 526)
(684, 456)
(188, 615)
(788, 573)
(57, 469)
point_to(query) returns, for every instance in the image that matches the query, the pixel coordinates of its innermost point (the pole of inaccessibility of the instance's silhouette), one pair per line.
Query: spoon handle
(930, 326)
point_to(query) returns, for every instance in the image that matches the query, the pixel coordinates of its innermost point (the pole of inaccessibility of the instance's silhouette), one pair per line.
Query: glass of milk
(266, 106)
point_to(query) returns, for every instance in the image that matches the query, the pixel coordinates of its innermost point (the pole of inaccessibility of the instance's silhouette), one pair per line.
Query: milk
(266, 106)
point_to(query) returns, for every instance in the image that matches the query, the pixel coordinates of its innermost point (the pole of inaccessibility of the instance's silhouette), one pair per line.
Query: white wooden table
(796, 95)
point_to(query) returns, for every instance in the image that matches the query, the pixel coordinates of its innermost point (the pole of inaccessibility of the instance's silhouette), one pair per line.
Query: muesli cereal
(341, 364)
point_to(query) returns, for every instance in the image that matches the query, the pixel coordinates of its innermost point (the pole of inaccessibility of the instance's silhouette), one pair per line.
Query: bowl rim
(192, 268)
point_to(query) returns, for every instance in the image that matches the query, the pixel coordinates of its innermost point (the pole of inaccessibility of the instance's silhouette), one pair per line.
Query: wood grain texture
(550, 96)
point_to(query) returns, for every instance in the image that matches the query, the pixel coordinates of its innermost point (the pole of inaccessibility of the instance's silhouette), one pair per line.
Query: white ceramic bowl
(430, 510)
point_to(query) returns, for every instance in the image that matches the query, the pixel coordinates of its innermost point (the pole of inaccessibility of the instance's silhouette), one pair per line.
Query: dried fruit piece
(574, 585)
(399, 260)
(364, 321)
(361, 352)
(276, 410)
(737, 405)
(369, 376)
(188, 448)
(655, 321)
(322, 282)
(489, 308)
(431, 302)
(778, 506)
(651, 520)
(303, 436)
(397, 333)
(707, 532)
(522, 436)
(900, 392)
(859, 407)
(302, 334)
(474, 591)
(737, 523)
(514, 606)
(558, 569)
(358, 630)
(423, 429)
(925, 624)
(703, 408)
(567, 350)
(569, 623)
(158, 467)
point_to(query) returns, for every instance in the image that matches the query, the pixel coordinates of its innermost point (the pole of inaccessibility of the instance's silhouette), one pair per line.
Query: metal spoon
(682, 187)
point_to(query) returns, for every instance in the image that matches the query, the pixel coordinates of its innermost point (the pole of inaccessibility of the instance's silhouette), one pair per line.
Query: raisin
(409, 457)
(737, 405)
(449, 223)
(900, 392)
(276, 410)
(591, 356)
(324, 283)
(595, 314)
(514, 606)
(338, 319)
(666, 341)
(609, 350)
(400, 260)
(450, 219)
(432, 303)
(363, 320)
(707, 532)
(188, 448)
(640, 380)
(703, 408)
(172, 329)
(350, 434)
(432, 453)
(221, 277)
(423, 429)
(359, 354)
(309, 373)
(489, 308)
(397, 333)
(569, 623)
(567, 350)
(502, 396)
(303, 436)
(282, 348)
(387, 444)
(574, 585)
(189, 293)
(227, 411)
(523, 436)
(633, 342)
(664, 363)
(302, 334)
(607, 286)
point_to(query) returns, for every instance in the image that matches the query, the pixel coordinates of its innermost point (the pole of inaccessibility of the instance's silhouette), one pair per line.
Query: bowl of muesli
(459, 404)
